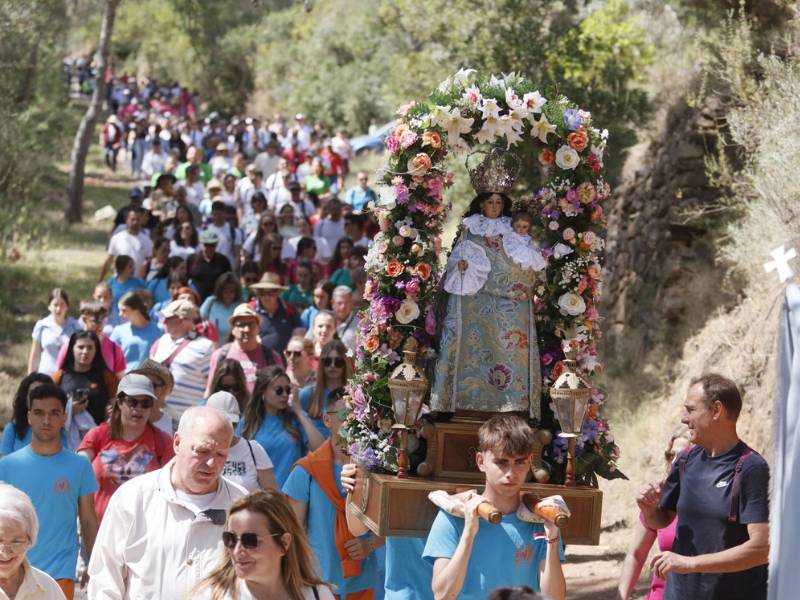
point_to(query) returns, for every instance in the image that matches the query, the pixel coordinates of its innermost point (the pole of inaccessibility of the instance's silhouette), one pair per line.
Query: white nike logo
(721, 484)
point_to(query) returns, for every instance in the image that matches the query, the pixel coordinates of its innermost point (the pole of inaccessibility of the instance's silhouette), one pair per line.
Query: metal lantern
(570, 394)
(407, 386)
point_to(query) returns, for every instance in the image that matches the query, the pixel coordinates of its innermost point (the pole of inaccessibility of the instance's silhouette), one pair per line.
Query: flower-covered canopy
(403, 265)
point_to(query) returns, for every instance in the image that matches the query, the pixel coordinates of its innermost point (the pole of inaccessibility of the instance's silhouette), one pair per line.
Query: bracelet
(553, 541)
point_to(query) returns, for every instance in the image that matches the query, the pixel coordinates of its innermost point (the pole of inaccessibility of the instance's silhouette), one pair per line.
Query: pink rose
(412, 287)
(392, 145)
(407, 139)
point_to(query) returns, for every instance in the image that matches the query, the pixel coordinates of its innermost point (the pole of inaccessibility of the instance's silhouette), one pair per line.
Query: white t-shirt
(332, 231)
(323, 592)
(240, 467)
(267, 164)
(139, 247)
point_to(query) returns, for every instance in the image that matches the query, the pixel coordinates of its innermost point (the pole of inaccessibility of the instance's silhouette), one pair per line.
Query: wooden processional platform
(389, 505)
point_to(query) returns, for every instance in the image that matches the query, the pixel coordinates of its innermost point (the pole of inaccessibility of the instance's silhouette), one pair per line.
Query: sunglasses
(244, 324)
(330, 361)
(249, 540)
(281, 390)
(136, 402)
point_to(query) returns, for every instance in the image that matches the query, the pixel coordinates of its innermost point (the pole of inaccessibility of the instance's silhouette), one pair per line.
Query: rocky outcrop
(661, 283)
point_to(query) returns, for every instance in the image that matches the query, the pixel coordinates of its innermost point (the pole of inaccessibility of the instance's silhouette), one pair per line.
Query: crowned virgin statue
(488, 353)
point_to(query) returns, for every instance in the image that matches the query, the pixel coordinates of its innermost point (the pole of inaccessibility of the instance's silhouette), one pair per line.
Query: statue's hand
(462, 265)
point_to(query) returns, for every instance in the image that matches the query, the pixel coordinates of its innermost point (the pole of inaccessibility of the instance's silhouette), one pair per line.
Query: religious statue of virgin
(488, 352)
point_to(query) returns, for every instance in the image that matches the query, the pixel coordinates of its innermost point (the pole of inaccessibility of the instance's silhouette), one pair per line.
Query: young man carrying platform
(470, 556)
(318, 499)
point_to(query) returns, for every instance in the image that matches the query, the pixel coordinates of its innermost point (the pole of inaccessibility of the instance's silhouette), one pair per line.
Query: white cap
(225, 402)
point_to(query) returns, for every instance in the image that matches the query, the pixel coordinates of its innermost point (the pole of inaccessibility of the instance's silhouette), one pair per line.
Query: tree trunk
(83, 137)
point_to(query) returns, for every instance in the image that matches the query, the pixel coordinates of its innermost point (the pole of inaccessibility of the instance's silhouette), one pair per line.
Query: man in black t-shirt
(722, 539)
(207, 265)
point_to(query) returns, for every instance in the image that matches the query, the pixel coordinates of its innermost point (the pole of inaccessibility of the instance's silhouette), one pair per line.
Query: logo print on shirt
(62, 487)
(523, 556)
(721, 484)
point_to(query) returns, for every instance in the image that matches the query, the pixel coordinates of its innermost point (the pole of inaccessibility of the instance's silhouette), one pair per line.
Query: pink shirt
(665, 538)
(251, 362)
(112, 354)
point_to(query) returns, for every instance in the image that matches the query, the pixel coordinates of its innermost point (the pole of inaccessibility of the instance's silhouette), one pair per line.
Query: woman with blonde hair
(266, 554)
(644, 536)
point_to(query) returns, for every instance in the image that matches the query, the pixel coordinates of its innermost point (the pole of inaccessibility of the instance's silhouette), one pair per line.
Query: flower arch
(403, 265)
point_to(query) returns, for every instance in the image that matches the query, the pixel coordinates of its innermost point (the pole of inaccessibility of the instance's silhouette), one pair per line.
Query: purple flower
(367, 458)
(401, 192)
(572, 119)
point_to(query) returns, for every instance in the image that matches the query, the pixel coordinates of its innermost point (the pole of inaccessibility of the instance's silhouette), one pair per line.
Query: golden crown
(496, 173)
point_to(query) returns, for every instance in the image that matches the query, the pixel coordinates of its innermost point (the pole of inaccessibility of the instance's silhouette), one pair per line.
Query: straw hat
(269, 281)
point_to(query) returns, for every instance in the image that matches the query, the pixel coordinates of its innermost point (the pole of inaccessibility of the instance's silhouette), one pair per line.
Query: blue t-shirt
(214, 310)
(282, 447)
(54, 484)
(702, 500)
(357, 197)
(408, 575)
(305, 401)
(307, 316)
(506, 554)
(320, 519)
(159, 287)
(135, 341)
(12, 443)
(119, 289)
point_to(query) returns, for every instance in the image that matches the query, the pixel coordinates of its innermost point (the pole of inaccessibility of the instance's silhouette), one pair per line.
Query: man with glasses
(315, 492)
(61, 486)
(278, 320)
(162, 531)
(246, 348)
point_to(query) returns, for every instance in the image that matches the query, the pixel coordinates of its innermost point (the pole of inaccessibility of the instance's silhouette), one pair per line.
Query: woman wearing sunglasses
(266, 554)
(127, 445)
(333, 372)
(280, 425)
(229, 377)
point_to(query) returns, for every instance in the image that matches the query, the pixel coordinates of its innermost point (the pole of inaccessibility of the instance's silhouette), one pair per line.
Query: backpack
(736, 489)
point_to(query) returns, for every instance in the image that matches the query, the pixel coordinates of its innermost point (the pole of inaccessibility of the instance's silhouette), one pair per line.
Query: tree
(83, 137)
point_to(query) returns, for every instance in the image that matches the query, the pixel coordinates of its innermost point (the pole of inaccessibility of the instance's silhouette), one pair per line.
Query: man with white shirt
(131, 241)
(186, 354)
(162, 531)
(220, 161)
(153, 161)
(267, 161)
(230, 237)
(193, 186)
(303, 207)
(247, 188)
(346, 317)
(332, 227)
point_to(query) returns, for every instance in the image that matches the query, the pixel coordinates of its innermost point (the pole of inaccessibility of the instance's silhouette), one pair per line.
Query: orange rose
(371, 343)
(431, 138)
(578, 140)
(394, 268)
(400, 130)
(547, 158)
(419, 165)
(424, 271)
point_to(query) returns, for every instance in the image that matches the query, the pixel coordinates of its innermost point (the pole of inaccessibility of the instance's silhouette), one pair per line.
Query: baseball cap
(185, 309)
(227, 404)
(136, 192)
(208, 237)
(134, 384)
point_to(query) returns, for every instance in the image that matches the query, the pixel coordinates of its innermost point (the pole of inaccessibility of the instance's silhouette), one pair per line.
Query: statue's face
(492, 207)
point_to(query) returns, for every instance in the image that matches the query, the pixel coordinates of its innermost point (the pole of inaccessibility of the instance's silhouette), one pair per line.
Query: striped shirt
(189, 368)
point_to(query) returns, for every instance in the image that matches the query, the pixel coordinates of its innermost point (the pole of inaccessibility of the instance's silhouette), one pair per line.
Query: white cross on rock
(780, 262)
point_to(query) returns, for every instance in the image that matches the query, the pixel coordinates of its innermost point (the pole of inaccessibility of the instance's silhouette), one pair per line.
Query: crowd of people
(179, 436)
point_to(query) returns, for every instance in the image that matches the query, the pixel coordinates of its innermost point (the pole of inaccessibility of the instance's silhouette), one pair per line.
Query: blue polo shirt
(320, 519)
(408, 575)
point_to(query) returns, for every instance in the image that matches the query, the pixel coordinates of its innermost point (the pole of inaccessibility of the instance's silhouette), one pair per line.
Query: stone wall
(661, 283)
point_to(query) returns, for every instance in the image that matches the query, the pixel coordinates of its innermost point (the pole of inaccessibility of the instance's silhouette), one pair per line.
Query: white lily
(465, 76)
(534, 102)
(541, 128)
(456, 125)
(511, 128)
(439, 114)
(489, 107)
(472, 96)
(514, 102)
(492, 127)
